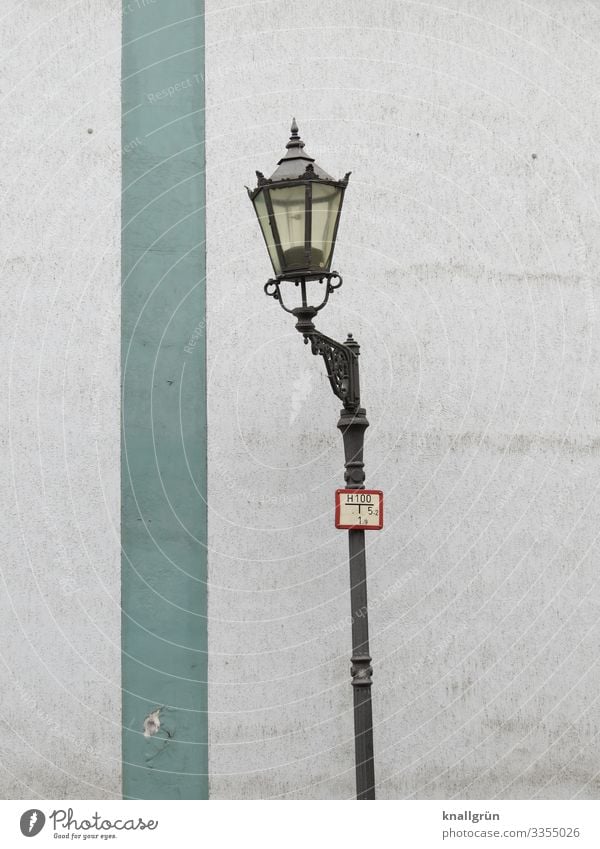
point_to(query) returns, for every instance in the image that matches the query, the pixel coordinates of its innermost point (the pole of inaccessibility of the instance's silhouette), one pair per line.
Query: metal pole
(341, 361)
(353, 423)
(361, 669)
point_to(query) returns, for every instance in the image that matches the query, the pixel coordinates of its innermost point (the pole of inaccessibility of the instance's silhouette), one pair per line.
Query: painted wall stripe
(163, 457)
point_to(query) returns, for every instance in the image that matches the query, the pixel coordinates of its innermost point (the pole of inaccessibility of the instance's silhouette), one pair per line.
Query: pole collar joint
(361, 671)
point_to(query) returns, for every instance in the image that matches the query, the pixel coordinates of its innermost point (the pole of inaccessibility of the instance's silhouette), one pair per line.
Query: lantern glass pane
(326, 202)
(289, 210)
(263, 217)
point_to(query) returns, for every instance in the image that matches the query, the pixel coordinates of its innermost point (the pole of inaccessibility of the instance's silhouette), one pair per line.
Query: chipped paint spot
(152, 723)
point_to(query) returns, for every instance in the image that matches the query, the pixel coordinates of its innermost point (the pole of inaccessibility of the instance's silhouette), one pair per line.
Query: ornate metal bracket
(340, 362)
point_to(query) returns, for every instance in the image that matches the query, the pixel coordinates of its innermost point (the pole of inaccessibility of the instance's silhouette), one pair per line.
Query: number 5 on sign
(359, 509)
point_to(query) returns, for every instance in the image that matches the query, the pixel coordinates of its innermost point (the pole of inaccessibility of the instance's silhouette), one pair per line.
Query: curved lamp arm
(341, 359)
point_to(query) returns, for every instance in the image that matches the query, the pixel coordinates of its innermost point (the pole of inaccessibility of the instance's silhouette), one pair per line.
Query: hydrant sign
(359, 509)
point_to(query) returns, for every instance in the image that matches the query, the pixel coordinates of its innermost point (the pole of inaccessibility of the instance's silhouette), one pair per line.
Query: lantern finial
(295, 141)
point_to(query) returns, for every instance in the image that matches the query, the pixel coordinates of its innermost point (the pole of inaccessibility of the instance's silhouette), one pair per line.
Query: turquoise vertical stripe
(163, 456)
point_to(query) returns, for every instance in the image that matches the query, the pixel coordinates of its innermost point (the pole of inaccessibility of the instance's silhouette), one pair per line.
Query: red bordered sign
(359, 509)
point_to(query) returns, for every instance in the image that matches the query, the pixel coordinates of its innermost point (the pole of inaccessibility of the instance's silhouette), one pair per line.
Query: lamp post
(298, 209)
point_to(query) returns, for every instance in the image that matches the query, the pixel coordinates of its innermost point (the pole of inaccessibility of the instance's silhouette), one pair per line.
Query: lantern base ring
(272, 288)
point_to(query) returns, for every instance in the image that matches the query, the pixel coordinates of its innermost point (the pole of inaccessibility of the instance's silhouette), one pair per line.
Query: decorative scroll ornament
(339, 362)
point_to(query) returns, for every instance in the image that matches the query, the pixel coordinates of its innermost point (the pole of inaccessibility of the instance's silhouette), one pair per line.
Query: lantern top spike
(295, 140)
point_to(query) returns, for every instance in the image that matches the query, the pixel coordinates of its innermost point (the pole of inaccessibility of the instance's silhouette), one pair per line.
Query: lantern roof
(296, 162)
(296, 165)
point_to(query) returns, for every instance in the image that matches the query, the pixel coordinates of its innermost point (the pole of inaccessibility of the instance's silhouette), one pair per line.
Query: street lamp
(298, 209)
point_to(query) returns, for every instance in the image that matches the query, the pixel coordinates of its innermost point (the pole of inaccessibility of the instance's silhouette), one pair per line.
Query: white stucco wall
(59, 251)
(469, 252)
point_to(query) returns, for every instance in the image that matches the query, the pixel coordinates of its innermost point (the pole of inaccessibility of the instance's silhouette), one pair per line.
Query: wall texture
(59, 247)
(469, 251)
